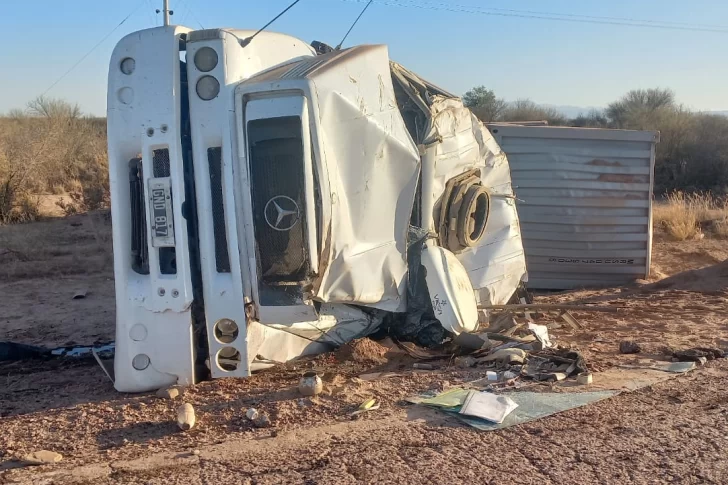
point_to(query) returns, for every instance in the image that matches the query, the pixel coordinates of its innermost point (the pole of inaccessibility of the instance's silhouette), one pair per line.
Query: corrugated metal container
(585, 202)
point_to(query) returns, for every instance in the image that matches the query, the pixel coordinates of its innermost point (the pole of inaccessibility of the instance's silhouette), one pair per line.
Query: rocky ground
(672, 431)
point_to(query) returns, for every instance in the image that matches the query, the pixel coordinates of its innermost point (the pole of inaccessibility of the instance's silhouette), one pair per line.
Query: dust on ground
(671, 432)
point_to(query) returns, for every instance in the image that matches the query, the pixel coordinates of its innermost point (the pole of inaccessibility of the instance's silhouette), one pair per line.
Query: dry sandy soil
(675, 431)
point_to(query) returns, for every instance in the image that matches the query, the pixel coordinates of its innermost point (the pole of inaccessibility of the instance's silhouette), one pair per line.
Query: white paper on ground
(488, 406)
(541, 332)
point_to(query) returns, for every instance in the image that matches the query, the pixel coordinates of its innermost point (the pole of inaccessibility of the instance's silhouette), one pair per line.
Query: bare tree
(639, 108)
(53, 108)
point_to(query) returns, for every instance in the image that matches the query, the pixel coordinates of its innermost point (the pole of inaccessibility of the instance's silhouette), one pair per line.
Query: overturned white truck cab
(271, 200)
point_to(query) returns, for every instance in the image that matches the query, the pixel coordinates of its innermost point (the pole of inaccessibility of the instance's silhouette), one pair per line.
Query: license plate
(160, 199)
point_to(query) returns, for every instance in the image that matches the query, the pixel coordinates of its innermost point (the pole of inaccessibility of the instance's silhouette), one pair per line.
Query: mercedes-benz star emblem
(281, 213)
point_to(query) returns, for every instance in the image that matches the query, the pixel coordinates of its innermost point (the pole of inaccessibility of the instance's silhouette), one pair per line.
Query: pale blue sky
(561, 63)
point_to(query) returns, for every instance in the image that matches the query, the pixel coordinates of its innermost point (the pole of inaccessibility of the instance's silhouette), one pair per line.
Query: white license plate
(162, 223)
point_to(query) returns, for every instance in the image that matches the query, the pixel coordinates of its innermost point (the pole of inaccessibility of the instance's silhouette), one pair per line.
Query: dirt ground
(675, 431)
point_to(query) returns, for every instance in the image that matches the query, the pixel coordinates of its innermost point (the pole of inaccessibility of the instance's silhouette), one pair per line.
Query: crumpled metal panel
(373, 166)
(497, 264)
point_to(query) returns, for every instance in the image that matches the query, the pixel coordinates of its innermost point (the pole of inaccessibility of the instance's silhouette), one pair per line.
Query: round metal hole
(161, 292)
(127, 65)
(226, 331)
(175, 293)
(164, 128)
(140, 361)
(150, 132)
(228, 358)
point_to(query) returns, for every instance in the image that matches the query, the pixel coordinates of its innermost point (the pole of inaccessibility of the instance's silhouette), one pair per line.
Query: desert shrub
(51, 148)
(680, 214)
(527, 110)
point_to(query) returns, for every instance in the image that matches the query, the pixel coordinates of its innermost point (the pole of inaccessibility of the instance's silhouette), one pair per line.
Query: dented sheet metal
(454, 141)
(368, 168)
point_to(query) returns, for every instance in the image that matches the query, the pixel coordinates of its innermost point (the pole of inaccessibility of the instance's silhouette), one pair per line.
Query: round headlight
(206, 59)
(208, 87)
(127, 65)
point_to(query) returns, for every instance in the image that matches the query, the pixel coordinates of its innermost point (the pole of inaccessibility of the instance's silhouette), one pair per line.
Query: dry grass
(689, 216)
(51, 148)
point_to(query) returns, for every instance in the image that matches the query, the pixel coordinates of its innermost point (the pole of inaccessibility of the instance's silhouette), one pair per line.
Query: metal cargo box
(584, 201)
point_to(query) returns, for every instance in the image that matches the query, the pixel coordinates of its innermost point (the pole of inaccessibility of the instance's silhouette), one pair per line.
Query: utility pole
(166, 12)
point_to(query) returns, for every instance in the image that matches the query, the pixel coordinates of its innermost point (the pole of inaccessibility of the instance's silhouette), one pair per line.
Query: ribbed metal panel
(584, 202)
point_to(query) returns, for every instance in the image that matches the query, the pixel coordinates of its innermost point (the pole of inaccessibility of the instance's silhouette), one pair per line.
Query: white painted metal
(584, 201)
(153, 314)
(367, 168)
(451, 292)
(213, 124)
(460, 142)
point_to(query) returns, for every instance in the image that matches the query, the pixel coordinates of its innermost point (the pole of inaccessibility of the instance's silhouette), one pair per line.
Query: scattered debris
(585, 378)
(672, 367)
(541, 332)
(697, 354)
(366, 406)
(547, 307)
(251, 414)
(509, 374)
(420, 353)
(554, 365)
(465, 362)
(373, 376)
(310, 384)
(629, 347)
(168, 393)
(185, 416)
(491, 375)
(537, 405)
(506, 356)
(42, 457)
(196, 452)
(421, 366)
(471, 341)
(488, 406)
(10, 351)
(571, 320)
(80, 294)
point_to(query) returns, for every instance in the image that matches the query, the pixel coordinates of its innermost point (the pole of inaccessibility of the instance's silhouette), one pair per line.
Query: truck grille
(277, 181)
(222, 258)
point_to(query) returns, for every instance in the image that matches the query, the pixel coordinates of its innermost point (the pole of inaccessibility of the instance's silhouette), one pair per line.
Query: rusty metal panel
(584, 201)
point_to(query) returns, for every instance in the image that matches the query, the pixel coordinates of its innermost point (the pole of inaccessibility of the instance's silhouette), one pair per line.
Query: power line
(353, 25)
(93, 48)
(655, 24)
(191, 12)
